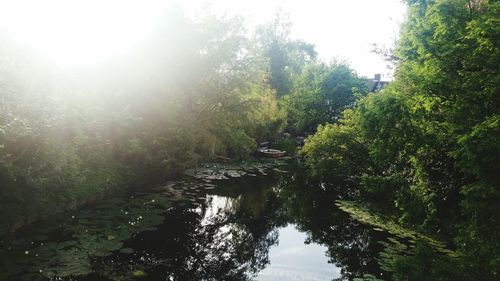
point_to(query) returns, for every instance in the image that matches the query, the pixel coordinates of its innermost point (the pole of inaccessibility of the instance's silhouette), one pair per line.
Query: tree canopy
(428, 144)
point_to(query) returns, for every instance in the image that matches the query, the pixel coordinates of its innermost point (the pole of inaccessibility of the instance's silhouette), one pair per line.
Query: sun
(72, 32)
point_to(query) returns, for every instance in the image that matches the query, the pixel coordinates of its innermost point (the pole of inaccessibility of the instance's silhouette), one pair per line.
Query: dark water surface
(272, 227)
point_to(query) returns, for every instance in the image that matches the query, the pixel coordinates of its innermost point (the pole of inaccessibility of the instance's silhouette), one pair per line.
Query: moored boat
(271, 153)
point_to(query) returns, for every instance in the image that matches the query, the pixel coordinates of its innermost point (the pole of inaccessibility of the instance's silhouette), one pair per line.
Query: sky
(82, 32)
(343, 29)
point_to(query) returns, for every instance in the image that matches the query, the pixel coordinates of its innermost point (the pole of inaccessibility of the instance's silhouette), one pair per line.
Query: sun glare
(76, 32)
(79, 32)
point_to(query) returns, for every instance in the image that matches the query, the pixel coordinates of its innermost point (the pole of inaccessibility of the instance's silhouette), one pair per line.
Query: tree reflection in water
(229, 236)
(223, 235)
(225, 238)
(352, 246)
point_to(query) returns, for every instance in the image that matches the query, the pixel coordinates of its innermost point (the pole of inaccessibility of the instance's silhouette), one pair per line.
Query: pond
(266, 225)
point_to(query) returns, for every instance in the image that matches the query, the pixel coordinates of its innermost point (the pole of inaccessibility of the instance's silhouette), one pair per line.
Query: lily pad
(139, 274)
(126, 250)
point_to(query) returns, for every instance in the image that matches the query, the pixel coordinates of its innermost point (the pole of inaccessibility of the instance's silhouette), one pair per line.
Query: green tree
(435, 130)
(69, 136)
(285, 57)
(320, 93)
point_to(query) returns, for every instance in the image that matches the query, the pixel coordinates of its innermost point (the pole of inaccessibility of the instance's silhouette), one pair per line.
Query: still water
(291, 259)
(268, 226)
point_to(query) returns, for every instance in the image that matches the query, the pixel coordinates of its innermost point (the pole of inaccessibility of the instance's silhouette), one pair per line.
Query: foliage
(67, 136)
(430, 141)
(287, 144)
(320, 93)
(286, 58)
(336, 154)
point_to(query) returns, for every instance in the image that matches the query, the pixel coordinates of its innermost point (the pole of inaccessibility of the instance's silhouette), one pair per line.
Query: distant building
(376, 84)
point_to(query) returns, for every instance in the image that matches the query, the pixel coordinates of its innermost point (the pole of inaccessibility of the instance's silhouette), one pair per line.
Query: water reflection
(292, 259)
(351, 246)
(253, 228)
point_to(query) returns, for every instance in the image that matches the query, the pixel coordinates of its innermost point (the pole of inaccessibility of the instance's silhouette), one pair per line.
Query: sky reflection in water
(292, 259)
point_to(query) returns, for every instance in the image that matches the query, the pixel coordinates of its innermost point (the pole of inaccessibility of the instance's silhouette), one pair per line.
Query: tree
(320, 93)
(434, 132)
(285, 57)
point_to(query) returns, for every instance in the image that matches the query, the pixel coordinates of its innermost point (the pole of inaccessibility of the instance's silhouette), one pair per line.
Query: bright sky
(88, 31)
(344, 29)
